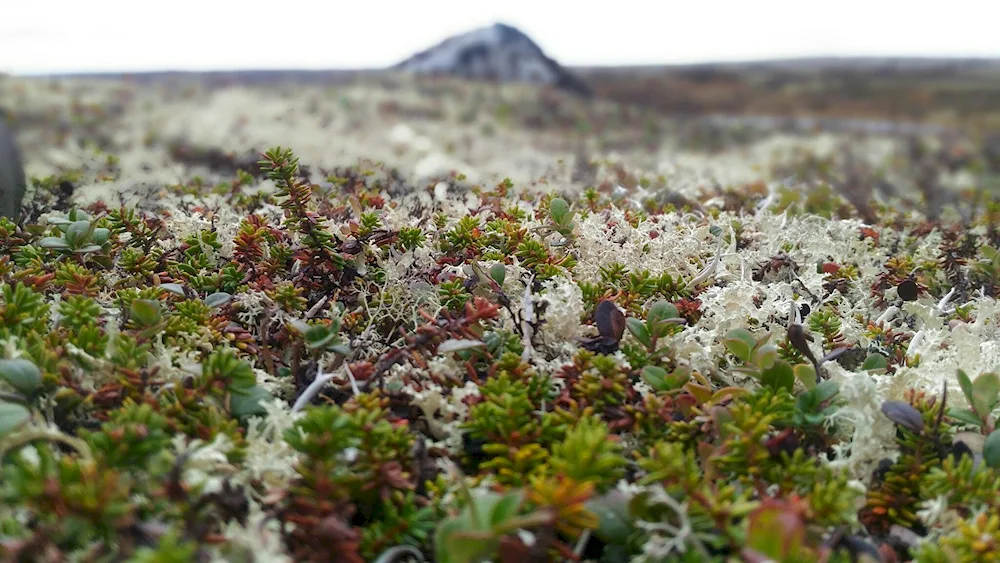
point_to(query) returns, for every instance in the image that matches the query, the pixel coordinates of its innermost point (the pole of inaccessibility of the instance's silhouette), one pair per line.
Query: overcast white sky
(43, 36)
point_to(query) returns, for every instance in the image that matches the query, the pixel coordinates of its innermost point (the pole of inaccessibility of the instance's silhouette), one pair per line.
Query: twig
(43, 433)
(395, 554)
(803, 284)
(313, 389)
(527, 317)
(315, 308)
(350, 377)
(581, 544)
(709, 270)
(944, 302)
(263, 329)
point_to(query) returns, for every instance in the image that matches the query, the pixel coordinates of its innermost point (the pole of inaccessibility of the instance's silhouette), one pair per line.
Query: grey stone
(12, 182)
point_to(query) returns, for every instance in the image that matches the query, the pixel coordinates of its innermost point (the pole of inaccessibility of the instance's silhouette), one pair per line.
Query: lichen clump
(345, 372)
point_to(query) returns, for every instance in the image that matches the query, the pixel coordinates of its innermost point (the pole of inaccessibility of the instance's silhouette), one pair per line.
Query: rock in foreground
(12, 184)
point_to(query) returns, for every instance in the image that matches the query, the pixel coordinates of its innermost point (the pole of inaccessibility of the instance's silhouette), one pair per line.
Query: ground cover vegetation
(357, 365)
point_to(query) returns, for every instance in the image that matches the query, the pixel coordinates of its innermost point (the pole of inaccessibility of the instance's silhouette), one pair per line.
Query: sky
(52, 36)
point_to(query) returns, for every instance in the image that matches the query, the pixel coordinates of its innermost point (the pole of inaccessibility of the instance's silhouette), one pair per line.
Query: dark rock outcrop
(499, 52)
(12, 182)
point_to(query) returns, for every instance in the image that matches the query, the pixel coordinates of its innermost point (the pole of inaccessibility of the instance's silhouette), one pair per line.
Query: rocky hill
(498, 52)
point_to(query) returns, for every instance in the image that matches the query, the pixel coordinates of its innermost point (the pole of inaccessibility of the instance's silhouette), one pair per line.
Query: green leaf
(966, 384)
(661, 310)
(638, 330)
(59, 222)
(218, 299)
(175, 288)
(342, 349)
(744, 335)
(766, 357)
(100, 236)
(22, 374)
(660, 317)
(78, 215)
(728, 393)
(77, 232)
(145, 312)
(151, 331)
(499, 273)
(967, 416)
(826, 391)
(558, 208)
(335, 322)
(53, 242)
(318, 337)
(985, 389)
(614, 522)
(249, 402)
(655, 376)
(875, 362)
(700, 392)
(775, 532)
(87, 249)
(739, 348)
(506, 508)
(678, 378)
(806, 402)
(815, 418)
(991, 450)
(662, 380)
(481, 509)
(806, 374)
(11, 417)
(459, 546)
(779, 376)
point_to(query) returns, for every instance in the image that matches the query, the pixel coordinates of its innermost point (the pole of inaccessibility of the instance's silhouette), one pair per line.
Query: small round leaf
(558, 208)
(146, 312)
(100, 236)
(655, 376)
(76, 232)
(638, 330)
(499, 273)
(218, 299)
(875, 362)
(22, 374)
(985, 392)
(779, 376)
(991, 450)
(249, 403)
(739, 348)
(615, 522)
(174, 288)
(12, 416)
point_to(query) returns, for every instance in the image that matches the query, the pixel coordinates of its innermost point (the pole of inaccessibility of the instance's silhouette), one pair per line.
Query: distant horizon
(60, 37)
(728, 63)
